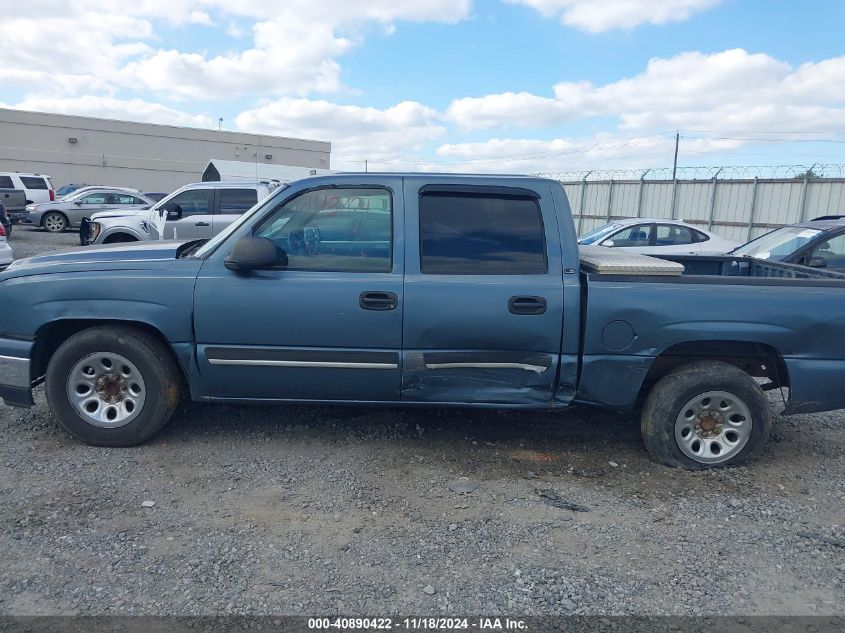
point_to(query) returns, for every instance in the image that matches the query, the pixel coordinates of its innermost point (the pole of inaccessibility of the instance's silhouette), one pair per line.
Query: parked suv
(37, 187)
(198, 210)
(57, 216)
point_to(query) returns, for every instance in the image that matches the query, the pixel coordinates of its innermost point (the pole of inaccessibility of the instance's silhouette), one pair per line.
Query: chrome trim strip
(300, 363)
(14, 372)
(535, 368)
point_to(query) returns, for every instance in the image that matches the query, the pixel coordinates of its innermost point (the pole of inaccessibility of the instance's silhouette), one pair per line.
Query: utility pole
(366, 165)
(675, 163)
(219, 123)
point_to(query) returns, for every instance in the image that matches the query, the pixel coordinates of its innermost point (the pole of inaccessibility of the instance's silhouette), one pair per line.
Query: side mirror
(255, 253)
(78, 203)
(817, 262)
(608, 243)
(174, 211)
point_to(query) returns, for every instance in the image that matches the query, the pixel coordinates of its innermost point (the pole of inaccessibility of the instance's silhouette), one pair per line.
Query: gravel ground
(302, 510)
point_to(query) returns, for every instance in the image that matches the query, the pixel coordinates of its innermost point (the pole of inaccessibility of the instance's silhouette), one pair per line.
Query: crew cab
(198, 210)
(422, 289)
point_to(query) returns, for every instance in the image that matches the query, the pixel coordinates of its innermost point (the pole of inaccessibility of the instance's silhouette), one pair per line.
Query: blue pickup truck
(421, 289)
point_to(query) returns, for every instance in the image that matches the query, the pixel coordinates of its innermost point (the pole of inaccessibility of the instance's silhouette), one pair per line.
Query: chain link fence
(738, 203)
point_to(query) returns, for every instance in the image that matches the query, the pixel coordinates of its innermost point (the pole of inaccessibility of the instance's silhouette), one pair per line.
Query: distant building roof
(248, 170)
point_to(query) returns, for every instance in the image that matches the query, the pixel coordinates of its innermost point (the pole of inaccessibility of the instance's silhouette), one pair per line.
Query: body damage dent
(613, 380)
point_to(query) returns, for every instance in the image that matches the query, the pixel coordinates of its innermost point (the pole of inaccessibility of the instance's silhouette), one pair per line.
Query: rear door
(675, 239)
(483, 294)
(230, 205)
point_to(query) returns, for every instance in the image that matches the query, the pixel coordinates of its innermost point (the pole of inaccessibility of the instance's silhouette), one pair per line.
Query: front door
(189, 215)
(326, 324)
(483, 294)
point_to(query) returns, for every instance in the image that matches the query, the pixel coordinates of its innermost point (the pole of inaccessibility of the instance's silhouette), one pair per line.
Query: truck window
(31, 182)
(6, 183)
(334, 230)
(481, 234)
(832, 251)
(236, 201)
(191, 202)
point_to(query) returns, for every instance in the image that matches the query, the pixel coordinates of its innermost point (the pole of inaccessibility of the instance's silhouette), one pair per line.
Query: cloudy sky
(464, 85)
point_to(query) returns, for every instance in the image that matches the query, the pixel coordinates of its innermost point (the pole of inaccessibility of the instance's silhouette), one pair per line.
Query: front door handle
(378, 300)
(202, 224)
(527, 305)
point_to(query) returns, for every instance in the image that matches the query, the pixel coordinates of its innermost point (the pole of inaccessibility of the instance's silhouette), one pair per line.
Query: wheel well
(755, 359)
(61, 213)
(50, 336)
(119, 237)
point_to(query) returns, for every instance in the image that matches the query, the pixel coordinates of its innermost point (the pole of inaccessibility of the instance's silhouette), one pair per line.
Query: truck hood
(118, 213)
(119, 256)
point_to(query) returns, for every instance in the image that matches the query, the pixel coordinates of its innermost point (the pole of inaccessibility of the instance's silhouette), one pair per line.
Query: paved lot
(315, 509)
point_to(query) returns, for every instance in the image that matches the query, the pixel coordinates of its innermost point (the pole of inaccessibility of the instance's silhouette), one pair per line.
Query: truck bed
(601, 262)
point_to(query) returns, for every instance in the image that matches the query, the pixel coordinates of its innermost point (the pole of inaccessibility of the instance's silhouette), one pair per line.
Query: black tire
(673, 392)
(58, 222)
(153, 359)
(120, 238)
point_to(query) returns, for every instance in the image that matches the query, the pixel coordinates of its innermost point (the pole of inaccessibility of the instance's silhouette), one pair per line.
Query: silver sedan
(68, 212)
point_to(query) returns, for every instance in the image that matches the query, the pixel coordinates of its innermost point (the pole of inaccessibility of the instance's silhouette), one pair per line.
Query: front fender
(127, 230)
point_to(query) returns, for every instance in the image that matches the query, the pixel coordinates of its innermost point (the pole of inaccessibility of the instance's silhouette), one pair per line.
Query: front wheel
(707, 414)
(112, 386)
(55, 222)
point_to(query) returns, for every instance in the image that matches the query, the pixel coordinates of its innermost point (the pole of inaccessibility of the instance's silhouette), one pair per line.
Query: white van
(37, 187)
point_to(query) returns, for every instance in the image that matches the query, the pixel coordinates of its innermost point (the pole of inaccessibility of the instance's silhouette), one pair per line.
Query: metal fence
(737, 208)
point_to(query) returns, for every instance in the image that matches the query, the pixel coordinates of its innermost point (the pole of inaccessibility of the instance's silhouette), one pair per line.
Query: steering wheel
(296, 241)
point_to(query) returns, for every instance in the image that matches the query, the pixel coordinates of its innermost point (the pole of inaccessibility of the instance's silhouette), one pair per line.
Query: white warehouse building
(146, 156)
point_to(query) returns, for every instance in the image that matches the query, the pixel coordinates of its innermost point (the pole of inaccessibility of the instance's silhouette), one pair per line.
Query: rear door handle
(378, 300)
(527, 305)
(202, 224)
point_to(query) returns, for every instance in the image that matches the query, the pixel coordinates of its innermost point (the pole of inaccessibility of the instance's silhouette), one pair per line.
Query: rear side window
(480, 234)
(698, 236)
(6, 182)
(31, 182)
(672, 235)
(236, 201)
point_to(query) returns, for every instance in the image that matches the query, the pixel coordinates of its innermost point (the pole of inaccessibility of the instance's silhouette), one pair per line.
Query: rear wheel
(112, 386)
(54, 222)
(707, 414)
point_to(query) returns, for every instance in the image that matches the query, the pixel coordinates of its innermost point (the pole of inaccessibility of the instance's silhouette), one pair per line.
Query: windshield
(211, 245)
(597, 234)
(779, 244)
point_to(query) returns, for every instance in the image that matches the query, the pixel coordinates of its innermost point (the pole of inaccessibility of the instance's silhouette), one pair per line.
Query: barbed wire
(726, 172)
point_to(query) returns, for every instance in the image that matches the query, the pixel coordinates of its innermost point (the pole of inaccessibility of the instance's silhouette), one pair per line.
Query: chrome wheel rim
(713, 427)
(106, 390)
(54, 223)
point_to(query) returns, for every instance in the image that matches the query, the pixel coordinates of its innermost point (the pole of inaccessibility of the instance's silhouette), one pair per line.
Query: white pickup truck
(196, 211)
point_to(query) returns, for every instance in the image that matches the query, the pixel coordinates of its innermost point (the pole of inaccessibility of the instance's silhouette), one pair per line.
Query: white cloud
(730, 91)
(357, 133)
(294, 50)
(605, 15)
(111, 108)
(602, 151)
